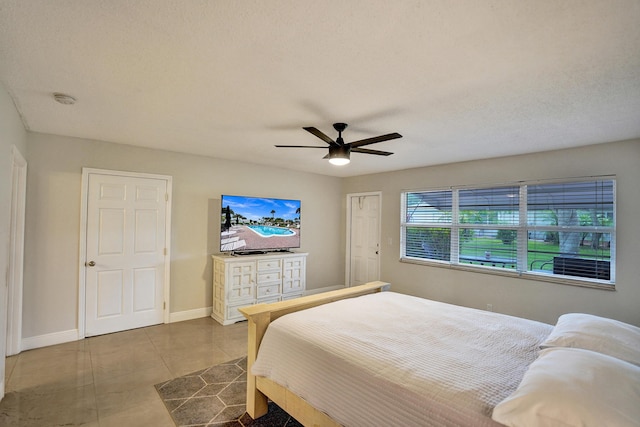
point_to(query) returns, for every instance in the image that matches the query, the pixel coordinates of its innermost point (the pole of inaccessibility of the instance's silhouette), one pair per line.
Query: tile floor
(109, 380)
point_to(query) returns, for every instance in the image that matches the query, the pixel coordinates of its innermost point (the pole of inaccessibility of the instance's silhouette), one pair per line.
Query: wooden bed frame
(260, 389)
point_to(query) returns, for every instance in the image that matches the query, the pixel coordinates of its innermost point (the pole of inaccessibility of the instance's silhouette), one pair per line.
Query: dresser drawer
(233, 314)
(268, 291)
(271, 276)
(286, 297)
(270, 264)
(268, 300)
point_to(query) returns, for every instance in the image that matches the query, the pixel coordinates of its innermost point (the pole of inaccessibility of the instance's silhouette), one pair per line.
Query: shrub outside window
(551, 229)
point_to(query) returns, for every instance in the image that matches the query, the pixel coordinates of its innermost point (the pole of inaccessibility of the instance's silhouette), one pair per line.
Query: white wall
(53, 221)
(521, 297)
(12, 133)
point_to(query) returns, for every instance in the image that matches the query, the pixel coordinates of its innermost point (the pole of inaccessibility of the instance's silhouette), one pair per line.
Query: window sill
(540, 277)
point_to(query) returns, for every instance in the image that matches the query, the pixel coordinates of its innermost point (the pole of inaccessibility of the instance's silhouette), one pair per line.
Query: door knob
(90, 263)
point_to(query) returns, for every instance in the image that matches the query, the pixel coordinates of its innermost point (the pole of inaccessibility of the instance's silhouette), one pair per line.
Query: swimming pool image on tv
(269, 231)
(259, 224)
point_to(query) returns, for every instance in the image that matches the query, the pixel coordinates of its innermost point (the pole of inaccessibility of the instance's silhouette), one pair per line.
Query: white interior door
(126, 258)
(364, 239)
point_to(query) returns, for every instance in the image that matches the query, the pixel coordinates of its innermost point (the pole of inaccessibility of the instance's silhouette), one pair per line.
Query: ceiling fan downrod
(340, 127)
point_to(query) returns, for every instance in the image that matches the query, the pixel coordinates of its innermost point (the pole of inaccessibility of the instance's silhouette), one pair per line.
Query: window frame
(522, 228)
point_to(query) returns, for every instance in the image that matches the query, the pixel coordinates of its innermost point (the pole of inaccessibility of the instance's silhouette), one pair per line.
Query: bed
(368, 356)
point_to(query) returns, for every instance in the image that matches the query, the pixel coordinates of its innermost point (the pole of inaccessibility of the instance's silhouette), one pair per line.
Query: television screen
(259, 224)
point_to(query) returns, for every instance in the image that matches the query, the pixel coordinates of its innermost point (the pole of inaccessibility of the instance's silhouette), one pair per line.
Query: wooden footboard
(260, 389)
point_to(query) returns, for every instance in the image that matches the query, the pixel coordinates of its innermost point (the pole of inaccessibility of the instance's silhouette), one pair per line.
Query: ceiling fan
(339, 152)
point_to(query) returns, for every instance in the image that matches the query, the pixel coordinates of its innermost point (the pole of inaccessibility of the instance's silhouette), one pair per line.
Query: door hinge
(165, 251)
(164, 305)
(166, 197)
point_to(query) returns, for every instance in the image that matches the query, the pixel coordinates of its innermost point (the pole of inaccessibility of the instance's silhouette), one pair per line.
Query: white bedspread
(390, 359)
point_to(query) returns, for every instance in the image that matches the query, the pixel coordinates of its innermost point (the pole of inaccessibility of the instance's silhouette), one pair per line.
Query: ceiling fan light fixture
(339, 161)
(339, 155)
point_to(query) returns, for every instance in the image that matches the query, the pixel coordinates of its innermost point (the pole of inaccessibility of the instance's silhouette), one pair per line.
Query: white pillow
(595, 333)
(574, 387)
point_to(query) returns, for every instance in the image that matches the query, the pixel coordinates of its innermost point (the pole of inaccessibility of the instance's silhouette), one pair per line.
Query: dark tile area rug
(215, 397)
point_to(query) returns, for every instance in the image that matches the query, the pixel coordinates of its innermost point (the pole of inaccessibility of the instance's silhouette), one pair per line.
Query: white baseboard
(49, 339)
(196, 313)
(321, 290)
(179, 316)
(72, 334)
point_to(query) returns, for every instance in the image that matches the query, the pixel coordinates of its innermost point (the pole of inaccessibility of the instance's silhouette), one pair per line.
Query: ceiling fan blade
(300, 146)
(375, 139)
(320, 135)
(367, 151)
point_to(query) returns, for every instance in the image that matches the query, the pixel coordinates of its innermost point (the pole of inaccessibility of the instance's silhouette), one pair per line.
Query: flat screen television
(258, 224)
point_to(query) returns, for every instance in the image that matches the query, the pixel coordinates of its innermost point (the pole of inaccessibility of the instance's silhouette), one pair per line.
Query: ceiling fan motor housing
(339, 151)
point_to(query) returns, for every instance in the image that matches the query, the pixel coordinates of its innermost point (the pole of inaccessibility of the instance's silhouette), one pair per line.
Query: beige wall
(53, 221)
(526, 298)
(12, 133)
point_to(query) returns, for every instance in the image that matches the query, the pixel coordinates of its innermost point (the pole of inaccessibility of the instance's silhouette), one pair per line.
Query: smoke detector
(64, 98)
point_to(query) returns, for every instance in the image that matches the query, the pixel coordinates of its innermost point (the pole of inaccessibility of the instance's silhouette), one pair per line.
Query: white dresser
(241, 280)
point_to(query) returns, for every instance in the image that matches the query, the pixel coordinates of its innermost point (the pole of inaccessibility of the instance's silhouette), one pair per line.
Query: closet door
(364, 239)
(125, 252)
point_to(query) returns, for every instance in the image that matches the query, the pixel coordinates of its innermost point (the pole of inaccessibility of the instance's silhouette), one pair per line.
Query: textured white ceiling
(460, 80)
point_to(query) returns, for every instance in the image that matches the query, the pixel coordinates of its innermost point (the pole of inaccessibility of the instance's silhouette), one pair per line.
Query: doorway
(363, 238)
(15, 263)
(125, 241)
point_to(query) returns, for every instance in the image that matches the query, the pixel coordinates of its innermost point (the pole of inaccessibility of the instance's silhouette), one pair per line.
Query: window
(559, 230)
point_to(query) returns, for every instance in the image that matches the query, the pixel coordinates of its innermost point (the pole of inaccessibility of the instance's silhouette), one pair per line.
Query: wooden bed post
(256, 401)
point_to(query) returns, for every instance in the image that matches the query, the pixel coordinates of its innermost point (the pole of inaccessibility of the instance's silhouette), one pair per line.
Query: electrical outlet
(489, 307)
